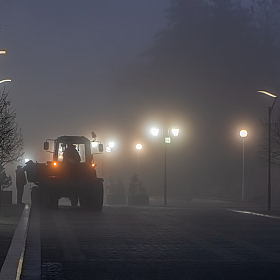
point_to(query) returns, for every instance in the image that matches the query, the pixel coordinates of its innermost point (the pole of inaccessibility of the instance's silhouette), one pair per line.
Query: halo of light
(138, 146)
(155, 131)
(111, 144)
(175, 132)
(243, 133)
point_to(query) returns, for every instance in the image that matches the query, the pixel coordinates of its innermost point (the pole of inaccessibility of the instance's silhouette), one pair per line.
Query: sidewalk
(9, 218)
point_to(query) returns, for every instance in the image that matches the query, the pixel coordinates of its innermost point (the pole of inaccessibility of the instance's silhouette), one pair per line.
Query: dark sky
(63, 59)
(60, 53)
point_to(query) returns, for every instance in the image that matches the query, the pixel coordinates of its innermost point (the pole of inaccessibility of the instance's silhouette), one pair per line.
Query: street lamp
(111, 145)
(269, 147)
(5, 80)
(138, 148)
(109, 149)
(243, 134)
(167, 140)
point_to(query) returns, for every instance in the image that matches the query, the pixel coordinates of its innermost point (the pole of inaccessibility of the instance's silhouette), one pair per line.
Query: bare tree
(11, 141)
(5, 181)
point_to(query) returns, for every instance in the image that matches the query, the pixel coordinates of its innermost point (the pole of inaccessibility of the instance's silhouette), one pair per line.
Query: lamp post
(243, 134)
(109, 149)
(167, 140)
(270, 108)
(138, 148)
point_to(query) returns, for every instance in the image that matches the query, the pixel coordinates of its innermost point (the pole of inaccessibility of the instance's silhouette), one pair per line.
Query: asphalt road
(158, 243)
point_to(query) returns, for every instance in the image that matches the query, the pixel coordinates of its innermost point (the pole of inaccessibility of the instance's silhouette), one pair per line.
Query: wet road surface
(158, 243)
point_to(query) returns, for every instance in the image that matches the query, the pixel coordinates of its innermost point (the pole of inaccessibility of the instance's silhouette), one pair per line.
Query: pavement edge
(12, 265)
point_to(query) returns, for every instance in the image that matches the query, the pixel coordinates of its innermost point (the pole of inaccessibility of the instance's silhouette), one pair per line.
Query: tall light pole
(270, 108)
(167, 140)
(138, 148)
(109, 149)
(243, 134)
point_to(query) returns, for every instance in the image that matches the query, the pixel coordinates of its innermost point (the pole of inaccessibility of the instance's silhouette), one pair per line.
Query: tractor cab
(82, 145)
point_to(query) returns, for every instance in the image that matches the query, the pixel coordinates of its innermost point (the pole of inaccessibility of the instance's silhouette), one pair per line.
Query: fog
(119, 68)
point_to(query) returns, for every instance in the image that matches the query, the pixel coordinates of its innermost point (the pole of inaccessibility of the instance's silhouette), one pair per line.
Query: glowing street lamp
(5, 80)
(167, 140)
(138, 148)
(175, 132)
(243, 134)
(4, 52)
(155, 131)
(111, 145)
(269, 147)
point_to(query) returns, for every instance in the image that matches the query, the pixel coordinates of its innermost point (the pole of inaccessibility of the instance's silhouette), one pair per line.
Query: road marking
(255, 214)
(12, 266)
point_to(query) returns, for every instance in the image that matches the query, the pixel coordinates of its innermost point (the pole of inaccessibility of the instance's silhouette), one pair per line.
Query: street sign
(167, 140)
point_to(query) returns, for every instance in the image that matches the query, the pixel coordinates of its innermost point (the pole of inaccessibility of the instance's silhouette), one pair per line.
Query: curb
(12, 265)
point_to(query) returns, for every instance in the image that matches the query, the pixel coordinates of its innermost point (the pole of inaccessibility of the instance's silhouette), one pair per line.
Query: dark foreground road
(158, 243)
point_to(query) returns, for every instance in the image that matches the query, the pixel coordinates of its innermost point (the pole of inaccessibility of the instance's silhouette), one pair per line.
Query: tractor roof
(73, 139)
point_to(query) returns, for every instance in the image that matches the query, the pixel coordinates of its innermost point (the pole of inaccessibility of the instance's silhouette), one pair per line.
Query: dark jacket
(20, 177)
(71, 155)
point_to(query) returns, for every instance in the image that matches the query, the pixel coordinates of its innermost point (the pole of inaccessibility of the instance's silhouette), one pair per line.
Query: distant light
(54, 163)
(4, 52)
(243, 133)
(167, 140)
(267, 93)
(108, 150)
(26, 160)
(5, 80)
(94, 144)
(93, 165)
(175, 132)
(111, 144)
(138, 146)
(155, 131)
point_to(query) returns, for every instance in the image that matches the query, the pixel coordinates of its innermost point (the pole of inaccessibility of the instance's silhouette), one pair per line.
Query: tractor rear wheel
(97, 197)
(74, 201)
(53, 202)
(92, 197)
(35, 196)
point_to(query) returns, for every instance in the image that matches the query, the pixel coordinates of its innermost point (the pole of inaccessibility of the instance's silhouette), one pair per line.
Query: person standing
(20, 183)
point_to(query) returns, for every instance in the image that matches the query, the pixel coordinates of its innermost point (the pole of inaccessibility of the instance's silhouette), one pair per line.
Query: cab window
(79, 147)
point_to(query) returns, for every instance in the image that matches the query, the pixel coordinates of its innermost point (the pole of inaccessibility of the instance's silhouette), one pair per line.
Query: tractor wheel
(35, 196)
(53, 202)
(92, 198)
(84, 200)
(97, 197)
(74, 201)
